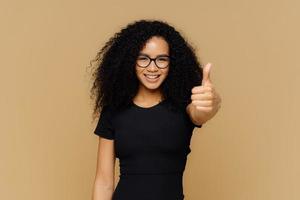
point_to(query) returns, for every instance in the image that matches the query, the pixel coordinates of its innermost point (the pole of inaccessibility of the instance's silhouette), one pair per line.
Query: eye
(142, 58)
(163, 59)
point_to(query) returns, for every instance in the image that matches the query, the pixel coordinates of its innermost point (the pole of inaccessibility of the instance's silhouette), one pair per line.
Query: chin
(150, 86)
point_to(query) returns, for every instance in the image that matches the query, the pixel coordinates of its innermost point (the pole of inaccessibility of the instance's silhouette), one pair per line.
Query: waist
(153, 181)
(150, 173)
(159, 186)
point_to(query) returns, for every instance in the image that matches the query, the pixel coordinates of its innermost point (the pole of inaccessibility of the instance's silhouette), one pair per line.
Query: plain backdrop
(248, 151)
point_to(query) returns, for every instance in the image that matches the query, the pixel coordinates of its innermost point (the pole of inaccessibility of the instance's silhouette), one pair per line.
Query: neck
(146, 95)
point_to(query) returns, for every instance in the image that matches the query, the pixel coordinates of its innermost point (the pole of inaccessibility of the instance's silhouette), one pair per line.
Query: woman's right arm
(104, 180)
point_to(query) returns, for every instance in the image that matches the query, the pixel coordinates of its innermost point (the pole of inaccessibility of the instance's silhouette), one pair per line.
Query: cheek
(138, 71)
(165, 73)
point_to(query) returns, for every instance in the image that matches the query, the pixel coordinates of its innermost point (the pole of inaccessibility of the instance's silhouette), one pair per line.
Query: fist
(204, 97)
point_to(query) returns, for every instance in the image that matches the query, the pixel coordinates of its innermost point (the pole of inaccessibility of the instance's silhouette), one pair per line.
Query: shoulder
(105, 127)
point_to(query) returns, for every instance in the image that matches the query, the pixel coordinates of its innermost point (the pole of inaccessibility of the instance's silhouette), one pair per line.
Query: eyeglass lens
(160, 61)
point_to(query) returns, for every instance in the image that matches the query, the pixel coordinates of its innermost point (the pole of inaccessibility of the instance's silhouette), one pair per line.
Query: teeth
(152, 76)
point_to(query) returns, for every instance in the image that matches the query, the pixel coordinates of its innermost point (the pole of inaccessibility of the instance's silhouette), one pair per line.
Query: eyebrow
(143, 54)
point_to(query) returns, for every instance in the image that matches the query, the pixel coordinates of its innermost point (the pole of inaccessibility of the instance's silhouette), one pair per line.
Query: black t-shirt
(148, 140)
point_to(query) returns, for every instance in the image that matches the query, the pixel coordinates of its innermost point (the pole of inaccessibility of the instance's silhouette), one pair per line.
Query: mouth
(152, 77)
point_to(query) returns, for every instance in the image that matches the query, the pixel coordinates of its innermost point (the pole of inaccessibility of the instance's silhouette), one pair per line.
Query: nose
(152, 66)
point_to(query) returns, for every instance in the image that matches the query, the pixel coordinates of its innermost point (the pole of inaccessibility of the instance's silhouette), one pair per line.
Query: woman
(150, 97)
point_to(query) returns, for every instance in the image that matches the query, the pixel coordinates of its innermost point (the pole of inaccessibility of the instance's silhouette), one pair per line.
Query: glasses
(160, 61)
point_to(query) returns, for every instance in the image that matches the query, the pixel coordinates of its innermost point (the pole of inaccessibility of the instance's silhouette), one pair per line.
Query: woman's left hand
(205, 100)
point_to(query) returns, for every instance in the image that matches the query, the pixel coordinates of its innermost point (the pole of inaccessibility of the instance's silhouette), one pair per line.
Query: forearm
(197, 116)
(102, 190)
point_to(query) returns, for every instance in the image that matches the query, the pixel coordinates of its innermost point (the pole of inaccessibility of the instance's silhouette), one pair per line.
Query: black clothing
(152, 145)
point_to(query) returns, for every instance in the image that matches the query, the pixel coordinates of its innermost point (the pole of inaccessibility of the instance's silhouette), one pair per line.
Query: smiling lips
(151, 78)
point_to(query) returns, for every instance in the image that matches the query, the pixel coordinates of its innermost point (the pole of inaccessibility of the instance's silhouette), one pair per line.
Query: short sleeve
(104, 127)
(191, 123)
(198, 126)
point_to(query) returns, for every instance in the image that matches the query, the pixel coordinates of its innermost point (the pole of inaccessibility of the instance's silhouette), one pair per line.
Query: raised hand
(204, 98)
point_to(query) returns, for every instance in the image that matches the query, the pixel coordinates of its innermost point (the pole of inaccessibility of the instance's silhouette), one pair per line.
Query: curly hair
(114, 79)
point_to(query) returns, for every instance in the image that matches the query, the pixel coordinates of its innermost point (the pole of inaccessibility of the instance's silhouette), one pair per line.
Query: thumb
(206, 74)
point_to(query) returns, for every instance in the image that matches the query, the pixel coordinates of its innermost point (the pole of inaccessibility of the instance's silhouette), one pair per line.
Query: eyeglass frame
(154, 59)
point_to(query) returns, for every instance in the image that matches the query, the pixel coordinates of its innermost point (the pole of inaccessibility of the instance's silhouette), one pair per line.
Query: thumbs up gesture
(205, 101)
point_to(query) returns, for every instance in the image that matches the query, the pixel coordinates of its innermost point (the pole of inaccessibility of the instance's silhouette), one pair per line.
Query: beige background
(249, 151)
